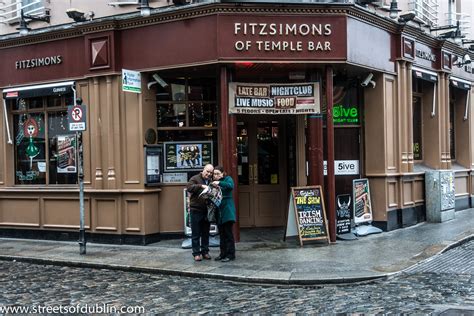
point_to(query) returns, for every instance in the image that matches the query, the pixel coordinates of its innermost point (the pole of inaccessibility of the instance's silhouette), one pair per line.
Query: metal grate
(10, 11)
(425, 10)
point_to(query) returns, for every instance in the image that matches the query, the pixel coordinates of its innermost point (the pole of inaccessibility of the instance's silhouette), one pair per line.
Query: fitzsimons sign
(252, 98)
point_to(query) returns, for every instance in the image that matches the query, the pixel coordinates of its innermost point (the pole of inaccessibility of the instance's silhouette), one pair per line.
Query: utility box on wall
(439, 195)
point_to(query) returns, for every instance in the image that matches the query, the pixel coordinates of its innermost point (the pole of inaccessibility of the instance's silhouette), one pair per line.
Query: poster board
(66, 154)
(274, 98)
(187, 156)
(187, 217)
(362, 201)
(309, 213)
(343, 214)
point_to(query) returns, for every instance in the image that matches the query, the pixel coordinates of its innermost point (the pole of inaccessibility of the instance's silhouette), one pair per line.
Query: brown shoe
(197, 258)
(207, 256)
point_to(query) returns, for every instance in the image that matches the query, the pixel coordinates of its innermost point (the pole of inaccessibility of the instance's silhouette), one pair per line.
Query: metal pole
(331, 189)
(6, 122)
(82, 232)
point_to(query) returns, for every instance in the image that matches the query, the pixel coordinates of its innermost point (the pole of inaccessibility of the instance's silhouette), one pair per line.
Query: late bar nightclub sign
(251, 98)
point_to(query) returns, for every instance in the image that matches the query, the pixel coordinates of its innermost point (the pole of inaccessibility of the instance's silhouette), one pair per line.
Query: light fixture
(24, 29)
(406, 17)
(145, 9)
(466, 60)
(393, 9)
(78, 15)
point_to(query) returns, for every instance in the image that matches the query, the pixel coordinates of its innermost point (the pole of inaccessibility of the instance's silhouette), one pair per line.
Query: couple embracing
(226, 214)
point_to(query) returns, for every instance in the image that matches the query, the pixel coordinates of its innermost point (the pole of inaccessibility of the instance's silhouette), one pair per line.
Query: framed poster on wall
(187, 156)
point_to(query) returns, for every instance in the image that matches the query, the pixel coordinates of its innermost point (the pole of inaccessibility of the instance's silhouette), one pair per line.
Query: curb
(203, 275)
(445, 249)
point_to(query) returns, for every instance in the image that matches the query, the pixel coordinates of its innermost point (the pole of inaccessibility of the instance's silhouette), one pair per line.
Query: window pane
(202, 114)
(53, 101)
(202, 90)
(30, 157)
(35, 103)
(18, 104)
(171, 115)
(417, 129)
(62, 150)
(267, 150)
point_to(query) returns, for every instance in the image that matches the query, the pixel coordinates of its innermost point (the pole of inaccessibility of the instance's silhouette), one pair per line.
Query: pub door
(261, 170)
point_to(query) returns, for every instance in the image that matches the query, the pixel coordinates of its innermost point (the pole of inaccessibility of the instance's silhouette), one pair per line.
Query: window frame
(46, 111)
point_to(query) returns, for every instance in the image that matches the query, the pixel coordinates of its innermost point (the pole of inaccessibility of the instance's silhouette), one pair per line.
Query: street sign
(76, 117)
(131, 81)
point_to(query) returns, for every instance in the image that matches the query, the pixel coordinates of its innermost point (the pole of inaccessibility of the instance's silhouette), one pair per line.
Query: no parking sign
(76, 117)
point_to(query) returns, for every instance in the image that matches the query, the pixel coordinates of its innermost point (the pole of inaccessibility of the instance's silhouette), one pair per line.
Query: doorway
(262, 170)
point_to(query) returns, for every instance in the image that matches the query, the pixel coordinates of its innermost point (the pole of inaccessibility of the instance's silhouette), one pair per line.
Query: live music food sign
(252, 98)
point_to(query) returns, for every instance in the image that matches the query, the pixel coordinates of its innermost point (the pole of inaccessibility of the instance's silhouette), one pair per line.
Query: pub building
(270, 92)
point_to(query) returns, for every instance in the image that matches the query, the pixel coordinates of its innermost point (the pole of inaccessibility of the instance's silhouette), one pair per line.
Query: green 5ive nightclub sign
(345, 114)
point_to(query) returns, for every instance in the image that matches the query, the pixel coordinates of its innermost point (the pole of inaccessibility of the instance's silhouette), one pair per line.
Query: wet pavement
(263, 257)
(443, 285)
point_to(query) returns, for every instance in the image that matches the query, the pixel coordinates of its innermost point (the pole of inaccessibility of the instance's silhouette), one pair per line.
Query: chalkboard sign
(187, 156)
(343, 214)
(308, 203)
(362, 203)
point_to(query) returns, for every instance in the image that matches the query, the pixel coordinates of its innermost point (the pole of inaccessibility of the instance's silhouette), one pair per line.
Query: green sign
(345, 114)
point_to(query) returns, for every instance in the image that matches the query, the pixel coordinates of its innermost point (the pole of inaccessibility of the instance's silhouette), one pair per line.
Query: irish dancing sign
(252, 98)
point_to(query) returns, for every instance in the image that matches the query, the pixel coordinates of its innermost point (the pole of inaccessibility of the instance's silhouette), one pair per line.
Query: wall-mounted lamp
(145, 9)
(393, 11)
(24, 29)
(406, 17)
(78, 15)
(465, 60)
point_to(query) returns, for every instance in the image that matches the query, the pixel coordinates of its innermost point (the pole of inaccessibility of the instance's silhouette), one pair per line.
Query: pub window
(45, 151)
(186, 111)
(417, 128)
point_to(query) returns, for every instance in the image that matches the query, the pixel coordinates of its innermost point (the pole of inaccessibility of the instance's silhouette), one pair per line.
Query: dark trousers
(200, 232)
(227, 243)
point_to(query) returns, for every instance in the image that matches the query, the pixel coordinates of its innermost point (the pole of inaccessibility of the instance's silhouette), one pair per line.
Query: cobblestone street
(446, 282)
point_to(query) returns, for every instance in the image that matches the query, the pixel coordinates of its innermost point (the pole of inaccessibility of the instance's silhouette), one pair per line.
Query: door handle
(255, 173)
(250, 173)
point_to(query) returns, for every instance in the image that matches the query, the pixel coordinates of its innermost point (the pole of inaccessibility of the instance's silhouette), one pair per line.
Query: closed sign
(343, 167)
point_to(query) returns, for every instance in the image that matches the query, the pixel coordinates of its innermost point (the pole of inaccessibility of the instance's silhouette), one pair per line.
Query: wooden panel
(64, 213)
(392, 194)
(171, 209)
(149, 221)
(461, 184)
(106, 214)
(390, 124)
(269, 204)
(132, 138)
(408, 193)
(419, 190)
(3, 135)
(244, 209)
(21, 212)
(132, 216)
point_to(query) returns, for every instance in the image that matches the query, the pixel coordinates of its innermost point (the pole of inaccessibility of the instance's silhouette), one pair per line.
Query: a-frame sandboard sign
(307, 214)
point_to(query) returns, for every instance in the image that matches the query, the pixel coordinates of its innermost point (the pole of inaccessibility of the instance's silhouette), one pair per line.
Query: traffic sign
(76, 117)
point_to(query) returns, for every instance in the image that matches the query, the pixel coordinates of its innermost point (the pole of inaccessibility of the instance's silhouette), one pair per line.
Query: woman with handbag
(227, 215)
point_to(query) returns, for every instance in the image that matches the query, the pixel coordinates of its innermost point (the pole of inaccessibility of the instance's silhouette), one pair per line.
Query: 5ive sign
(343, 167)
(76, 117)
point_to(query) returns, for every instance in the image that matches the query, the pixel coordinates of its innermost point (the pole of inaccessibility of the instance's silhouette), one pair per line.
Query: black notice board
(153, 164)
(310, 213)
